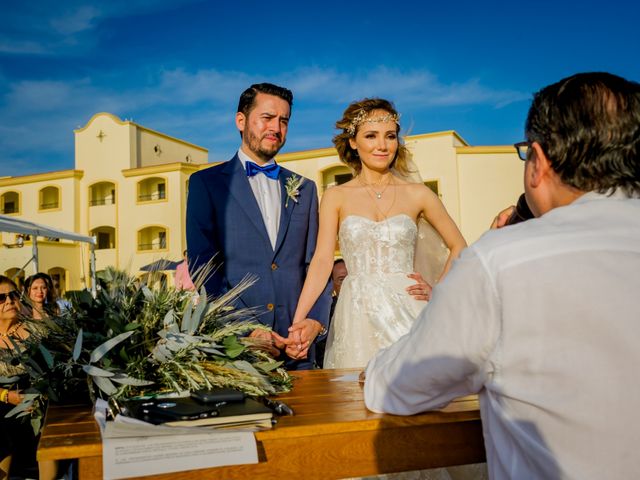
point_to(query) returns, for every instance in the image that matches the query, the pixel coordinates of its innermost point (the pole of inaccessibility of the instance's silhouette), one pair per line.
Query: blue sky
(179, 66)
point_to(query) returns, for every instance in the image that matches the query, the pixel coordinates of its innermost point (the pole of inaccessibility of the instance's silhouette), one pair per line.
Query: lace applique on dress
(373, 309)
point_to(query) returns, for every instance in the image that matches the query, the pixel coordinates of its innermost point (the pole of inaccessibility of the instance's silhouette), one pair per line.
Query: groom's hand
(266, 341)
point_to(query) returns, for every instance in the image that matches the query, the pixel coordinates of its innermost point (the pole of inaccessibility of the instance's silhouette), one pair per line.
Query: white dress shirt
(267, 193)
(542, 319)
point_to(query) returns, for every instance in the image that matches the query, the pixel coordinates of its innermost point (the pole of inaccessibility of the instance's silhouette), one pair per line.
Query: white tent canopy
(13, 225)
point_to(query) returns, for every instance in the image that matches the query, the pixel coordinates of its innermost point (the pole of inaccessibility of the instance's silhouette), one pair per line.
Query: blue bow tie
(270, 170)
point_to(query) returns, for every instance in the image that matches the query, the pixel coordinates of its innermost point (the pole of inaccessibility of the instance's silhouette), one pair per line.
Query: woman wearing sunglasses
(17, 440)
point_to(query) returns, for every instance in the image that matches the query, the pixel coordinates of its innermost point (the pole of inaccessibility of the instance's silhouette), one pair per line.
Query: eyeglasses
(523, 149)
(13, 295)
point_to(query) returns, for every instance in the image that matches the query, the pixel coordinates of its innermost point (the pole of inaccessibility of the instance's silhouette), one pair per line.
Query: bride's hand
(293, 347)
(420, 290)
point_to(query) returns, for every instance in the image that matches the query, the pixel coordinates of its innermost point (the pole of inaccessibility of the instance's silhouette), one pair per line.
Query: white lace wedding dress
(374, 309)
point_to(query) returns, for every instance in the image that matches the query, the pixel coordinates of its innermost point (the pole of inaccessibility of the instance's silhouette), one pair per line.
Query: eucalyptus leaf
(46, 354)
(77, 348)
(23, 406)
(198, 314)
(246, 367)
(184, 338)
(125, 379)
(99, 352)
(169, 322)
(211, 350)
(267, 367)
(53, 396)
(186, 316)
(105, 385)
(34, 365)
(175, 345)
(96, 371)
(161, 353)
(148, 294)
(36, 424)
(7, 380)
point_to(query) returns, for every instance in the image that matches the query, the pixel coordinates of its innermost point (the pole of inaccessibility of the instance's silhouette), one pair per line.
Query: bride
(375, 216)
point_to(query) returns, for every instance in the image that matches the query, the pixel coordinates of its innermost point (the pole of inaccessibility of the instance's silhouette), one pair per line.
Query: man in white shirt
(542, 319)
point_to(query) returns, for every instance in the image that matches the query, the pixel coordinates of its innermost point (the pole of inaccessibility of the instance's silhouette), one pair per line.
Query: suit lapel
(241, 190)
(285, 211)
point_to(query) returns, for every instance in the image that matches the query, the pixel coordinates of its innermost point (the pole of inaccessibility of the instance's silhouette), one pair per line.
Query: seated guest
(541, 318)
(17, 441)
(64, 305)
(183, 279)
(338, 274)
(41, 296)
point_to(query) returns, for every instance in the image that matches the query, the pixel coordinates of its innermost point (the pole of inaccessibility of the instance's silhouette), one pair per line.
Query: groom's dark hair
(248, 97)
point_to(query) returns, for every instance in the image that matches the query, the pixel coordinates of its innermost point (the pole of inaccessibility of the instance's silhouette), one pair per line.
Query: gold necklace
(11, 330)
(393, 202)
(378, 195)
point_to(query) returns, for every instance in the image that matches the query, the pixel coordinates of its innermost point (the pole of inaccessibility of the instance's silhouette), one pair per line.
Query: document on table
(349, 377)
(132, 448)
(138, 456)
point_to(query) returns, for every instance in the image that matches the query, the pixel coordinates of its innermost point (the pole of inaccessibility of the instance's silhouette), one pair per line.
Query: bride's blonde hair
(355, 115)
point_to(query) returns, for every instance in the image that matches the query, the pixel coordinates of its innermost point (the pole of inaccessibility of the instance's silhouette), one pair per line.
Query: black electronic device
(218, 395)
(171, 410)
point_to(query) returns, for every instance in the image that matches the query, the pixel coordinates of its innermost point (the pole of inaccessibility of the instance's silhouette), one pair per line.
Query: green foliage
(130, 340)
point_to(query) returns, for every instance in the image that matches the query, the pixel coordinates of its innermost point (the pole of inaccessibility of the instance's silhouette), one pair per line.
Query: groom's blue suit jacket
(223, 218)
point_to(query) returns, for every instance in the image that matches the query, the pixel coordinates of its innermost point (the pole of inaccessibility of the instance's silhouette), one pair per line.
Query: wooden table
(331, 435)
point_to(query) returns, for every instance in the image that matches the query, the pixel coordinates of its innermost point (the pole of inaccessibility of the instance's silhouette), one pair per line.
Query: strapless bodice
(370, 247)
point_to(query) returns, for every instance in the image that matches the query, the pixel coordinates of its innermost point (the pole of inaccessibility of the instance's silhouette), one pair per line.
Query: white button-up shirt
(267, 193)
(543, 320)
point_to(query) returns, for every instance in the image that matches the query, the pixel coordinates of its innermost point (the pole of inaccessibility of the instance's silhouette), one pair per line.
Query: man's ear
(540, 165)
(240, 121)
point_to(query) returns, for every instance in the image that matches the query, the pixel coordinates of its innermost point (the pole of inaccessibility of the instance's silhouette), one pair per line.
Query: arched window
(105, 237)
(10, 203)
(152, 189)
(152, 238)
(59, 277)
(17, 275)
(49, 198)
(102, 193)
(335, 176)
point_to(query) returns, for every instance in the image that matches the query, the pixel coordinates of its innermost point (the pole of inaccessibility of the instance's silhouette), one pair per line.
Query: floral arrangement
(131, 341)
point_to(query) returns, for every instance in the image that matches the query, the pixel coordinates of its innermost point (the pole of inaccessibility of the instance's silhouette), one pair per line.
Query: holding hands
(266, 342)
(301, 335)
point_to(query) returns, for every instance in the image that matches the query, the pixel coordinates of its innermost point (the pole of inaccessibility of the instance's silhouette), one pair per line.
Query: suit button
(270, 306)
(274, 266)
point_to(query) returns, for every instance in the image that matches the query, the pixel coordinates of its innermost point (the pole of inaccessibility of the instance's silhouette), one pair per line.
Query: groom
(258, 218)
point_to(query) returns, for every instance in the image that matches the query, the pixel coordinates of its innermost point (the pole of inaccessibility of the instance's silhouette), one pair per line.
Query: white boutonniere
(292, 187)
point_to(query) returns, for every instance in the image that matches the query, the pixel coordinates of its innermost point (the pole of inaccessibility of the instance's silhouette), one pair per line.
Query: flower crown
(364, 117)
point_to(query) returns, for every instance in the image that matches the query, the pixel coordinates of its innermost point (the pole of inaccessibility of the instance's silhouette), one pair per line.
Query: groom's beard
(262, 150)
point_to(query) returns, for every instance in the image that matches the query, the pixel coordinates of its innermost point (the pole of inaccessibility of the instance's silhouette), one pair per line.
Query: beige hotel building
(130, 183)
